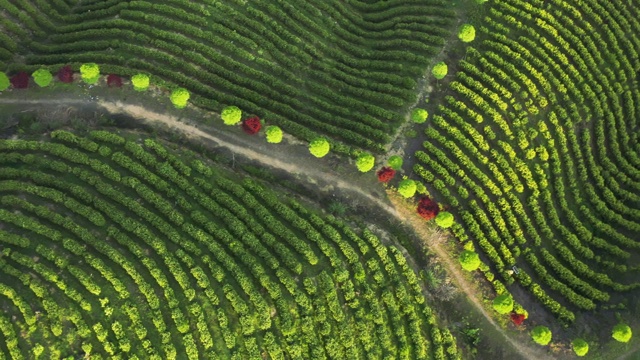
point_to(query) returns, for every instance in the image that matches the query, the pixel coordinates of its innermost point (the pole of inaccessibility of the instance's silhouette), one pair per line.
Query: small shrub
(251, 125)
(231, 115)
(503, 304)
(467, 33)
(440, 70)
(395, 162)
(407, 188)
(65, 74)
(179, 97)
(90, 73)
(419, 116)
(42, 77)
(444, 219)
(385, 174)
(517, 319)
(541, 335)
(20, 80)
(114, 80)
(4, 81)
(580, 347)
(469, 260)
(140, 82)
(365, 162)
(622, 333)
(274, 134)
(428, 208)
(319, 147)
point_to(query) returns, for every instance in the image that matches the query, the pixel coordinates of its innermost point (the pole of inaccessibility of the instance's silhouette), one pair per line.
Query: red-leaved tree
(65, 74)
(20, 80)
(385, 174)
(251, 125)
(517, 319)
(428, 208)
(114, 80)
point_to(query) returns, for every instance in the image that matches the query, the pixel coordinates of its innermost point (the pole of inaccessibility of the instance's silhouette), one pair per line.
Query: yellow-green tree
(419, 116)
(444, 219)
(469, 260)
(274, 134)
(42, 77)
(541, 335)
(4, 81)
(580, 347)
(503, 304)
(365, 162)
(622, 333)
(90, 73)
(140, 82)
(440, 70)
(179, 97)
(467, 33)
(231, 115)
(319, 147)
(407, 188)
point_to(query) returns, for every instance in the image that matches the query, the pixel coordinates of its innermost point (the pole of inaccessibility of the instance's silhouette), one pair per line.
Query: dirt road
(312, 170)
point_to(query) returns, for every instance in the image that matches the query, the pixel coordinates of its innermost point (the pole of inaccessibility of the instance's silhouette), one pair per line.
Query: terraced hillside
(346, 70)
(537, 147)
(121, 250)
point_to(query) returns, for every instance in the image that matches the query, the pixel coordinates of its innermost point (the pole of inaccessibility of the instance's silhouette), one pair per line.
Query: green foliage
(179, 97)
(503, 304)
(444, 219)
(365, 162)
(395, 162)
(469, 260)
(541, 335)
(622, 333)
(90, 73)
(319, 147)
(42, 77)
(419, 116)
(580, 347)
(407, 188)
(467, 33)
(231, 115)
(140, 82)
(4, 81)
(274, 134)
(440, 70)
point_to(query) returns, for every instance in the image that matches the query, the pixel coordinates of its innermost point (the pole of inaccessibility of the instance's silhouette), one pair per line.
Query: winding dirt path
(139, 112)
(432, 237)
(396, 209)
